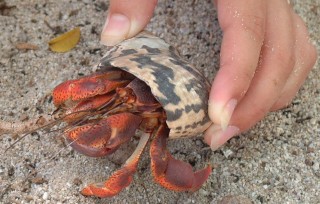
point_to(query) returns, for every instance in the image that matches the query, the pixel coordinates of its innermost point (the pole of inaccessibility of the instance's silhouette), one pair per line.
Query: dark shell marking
(180, 88)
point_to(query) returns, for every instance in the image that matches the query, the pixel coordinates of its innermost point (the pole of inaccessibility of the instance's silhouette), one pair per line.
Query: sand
(277, 161)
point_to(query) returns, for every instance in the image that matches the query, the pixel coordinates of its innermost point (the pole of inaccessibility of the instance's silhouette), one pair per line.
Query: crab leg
(119, 179)
(171, 173)
(85, 107)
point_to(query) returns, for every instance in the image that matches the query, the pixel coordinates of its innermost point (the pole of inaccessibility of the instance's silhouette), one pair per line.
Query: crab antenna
(90, 112)
(12, 125)
(70, 143)
(31, 131)
(43, 163)
(62, 149)
(109, 103)
(72, 125)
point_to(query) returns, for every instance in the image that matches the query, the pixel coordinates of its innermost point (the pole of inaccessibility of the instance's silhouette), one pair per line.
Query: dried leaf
(26, 46)
(66, 41)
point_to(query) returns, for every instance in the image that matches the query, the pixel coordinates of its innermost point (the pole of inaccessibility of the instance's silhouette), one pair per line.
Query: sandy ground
(275, 162)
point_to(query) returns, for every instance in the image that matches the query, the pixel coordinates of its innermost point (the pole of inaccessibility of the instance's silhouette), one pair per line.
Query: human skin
(266, 55)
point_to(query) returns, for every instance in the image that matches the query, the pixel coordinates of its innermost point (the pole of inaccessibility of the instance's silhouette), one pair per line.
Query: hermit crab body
(143, 85)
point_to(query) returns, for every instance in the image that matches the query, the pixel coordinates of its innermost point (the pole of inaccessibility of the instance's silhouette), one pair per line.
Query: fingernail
(115, 29)
(216, 136)
(223, 112)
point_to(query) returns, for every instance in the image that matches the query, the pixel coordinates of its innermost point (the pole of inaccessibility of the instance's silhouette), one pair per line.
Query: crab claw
(101, 137)
(119, 179)
(73, 91)
(171, 173)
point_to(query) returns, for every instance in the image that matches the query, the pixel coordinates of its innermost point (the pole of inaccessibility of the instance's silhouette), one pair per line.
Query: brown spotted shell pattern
(180, 88)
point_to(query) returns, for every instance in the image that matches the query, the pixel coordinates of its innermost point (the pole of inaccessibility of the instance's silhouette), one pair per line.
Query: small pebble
(11, 171)
(203, 192)
(308, 162)
(310, 150)
(38, 180)
(77, 182)
(316, 166)
(227, 153)
(45, 196)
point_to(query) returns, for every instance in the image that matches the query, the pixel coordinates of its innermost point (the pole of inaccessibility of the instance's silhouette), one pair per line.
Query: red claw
(101, 137)
(72, 91)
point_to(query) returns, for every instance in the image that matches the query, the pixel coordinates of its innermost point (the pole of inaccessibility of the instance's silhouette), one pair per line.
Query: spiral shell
(180, 88)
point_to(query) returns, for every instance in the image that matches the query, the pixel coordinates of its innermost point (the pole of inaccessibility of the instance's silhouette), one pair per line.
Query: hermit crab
(143, 87)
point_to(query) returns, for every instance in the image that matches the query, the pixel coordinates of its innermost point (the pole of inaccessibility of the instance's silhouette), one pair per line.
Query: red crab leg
(171, 173)
(101, 137)
(119, 179)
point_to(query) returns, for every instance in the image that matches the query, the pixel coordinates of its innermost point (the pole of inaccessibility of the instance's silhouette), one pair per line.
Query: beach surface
(277, 161)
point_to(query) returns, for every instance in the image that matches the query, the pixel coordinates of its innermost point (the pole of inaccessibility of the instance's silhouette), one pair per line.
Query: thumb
(125, 19)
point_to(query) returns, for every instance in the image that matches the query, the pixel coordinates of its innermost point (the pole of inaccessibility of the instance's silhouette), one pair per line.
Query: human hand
(265, 57)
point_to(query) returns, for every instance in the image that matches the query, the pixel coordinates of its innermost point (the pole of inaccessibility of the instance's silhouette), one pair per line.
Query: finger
(243, 24)
(216, 137)
(306, 56)
(125, 19)
(274, 69)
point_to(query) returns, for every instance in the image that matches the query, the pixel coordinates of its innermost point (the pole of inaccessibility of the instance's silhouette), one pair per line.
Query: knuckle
(308, 49)
(306, 56)
(284, 58)
(312, 54)
(254, 26)
(281, 56)
(251, 24)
